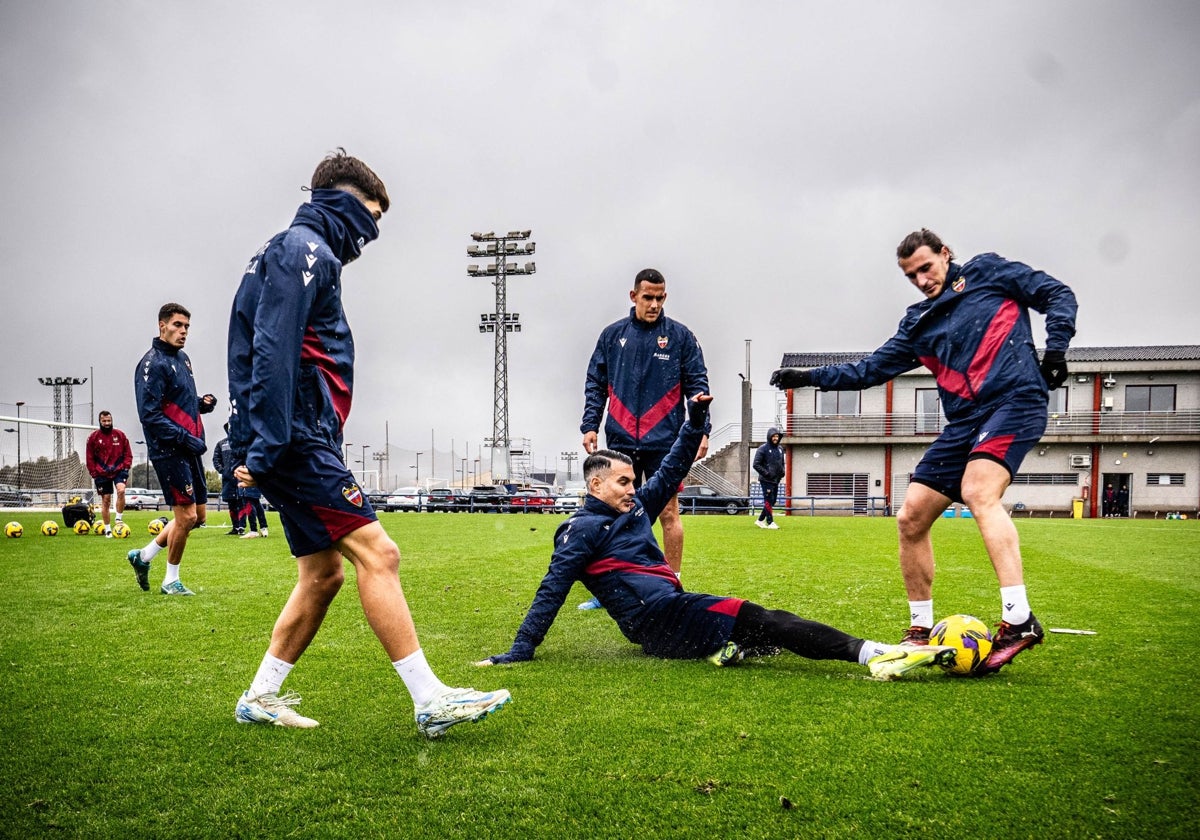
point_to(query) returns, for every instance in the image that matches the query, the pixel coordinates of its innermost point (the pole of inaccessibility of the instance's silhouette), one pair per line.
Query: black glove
(195, 445)
(207, 403)
(785, 378)
(698, 411)
(1054, 368)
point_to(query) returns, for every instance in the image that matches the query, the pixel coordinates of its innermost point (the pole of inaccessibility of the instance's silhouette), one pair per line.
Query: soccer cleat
(915, 635)
(590, 604)
(235, 532)
(900, 660)
(272, 709)
(250, 535)
(1011, 639)
(108, 532)
(141, 568)
(761, 523)
(263, 532)
(772, 527)
(175, 587)
(728, 654)
(458, 705)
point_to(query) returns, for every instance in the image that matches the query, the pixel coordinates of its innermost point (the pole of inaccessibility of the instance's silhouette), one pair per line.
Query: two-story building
(1129, 418)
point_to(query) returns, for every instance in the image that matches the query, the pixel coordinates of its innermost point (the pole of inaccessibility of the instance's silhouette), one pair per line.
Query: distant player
(973, 332)
(291, 375)
(769, 464)
(109, 457)
(609, 545)
(231, 494)
(170, 412)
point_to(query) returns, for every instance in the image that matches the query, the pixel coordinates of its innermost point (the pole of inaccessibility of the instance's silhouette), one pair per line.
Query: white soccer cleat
(458, 705)
(272, 709)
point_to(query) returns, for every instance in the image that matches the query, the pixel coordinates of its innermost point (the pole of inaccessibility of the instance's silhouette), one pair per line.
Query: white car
(139, 498)
(568, 502)
(404, 498)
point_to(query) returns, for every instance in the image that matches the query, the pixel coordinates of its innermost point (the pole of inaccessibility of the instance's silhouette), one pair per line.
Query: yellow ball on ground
(969, 636)
(82, 527)
(49, 528)
(121, 531)
(13, 530)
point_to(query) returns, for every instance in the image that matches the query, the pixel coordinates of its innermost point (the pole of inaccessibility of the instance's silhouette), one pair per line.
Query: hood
(771, 432)
(343, 220)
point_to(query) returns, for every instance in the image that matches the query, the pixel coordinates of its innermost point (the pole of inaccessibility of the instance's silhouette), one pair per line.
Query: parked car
(489, 498)
(530, 501)
(378, 500)
(569, 501)
(10, 497)
(446, 500)
(698, 498)
(139, 498)
(404, 499)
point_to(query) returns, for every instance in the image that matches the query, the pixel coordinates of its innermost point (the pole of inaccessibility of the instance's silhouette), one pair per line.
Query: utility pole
(500, 323)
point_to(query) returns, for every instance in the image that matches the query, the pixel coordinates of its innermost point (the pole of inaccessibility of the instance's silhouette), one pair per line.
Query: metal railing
(1075, 423)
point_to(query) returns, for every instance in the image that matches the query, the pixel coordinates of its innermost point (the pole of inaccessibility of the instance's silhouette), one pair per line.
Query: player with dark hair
(109, 457)
(973, 332)
(170, 413)
(231, 494)
(642, 367)
(291, 375)
(609, 545)
(769, 464)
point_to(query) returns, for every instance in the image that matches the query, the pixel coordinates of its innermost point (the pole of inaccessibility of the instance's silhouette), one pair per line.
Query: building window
(836, 484)
(1164, 479)
(1149, 397)
(1044, 479)
(929, 412)
(837, 402)
(1058, 401)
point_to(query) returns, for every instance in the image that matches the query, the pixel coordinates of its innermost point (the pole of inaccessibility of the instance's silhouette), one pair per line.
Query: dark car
(697, 498)
(9, 497)
(530, 501)
(489, 498)
(445, 500)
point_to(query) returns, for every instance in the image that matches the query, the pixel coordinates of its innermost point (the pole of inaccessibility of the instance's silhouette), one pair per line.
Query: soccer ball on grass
(120, 531)
(83, 527)
(969, 636)
(49, 528)
(13, 530)
(156, 525)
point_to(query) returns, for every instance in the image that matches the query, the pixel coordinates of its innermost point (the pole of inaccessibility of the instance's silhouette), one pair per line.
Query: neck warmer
(342, 219)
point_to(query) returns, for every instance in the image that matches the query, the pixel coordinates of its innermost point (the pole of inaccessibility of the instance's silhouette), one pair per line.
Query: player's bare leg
(984, 482)
(672, 531)
(922, 507)
(319, 578)
(376, 562)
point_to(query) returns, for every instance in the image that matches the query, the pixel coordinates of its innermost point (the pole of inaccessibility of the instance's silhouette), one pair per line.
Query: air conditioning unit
(1081, 461)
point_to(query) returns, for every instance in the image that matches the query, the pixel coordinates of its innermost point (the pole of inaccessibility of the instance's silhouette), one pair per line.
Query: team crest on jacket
(959, 284)
(353, 495)
(662, 342)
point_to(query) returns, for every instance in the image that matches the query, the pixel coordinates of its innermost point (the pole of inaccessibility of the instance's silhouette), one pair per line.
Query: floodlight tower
(500, 323)
(64, 396)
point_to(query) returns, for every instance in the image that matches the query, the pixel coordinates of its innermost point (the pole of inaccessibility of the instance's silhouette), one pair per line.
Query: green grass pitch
(116, 706)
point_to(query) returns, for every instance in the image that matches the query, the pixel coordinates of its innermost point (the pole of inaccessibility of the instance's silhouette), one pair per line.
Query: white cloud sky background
(765, 156)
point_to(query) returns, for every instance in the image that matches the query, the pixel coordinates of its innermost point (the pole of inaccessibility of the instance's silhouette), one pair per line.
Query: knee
(186, 519)
(909, 525)
(326, 585)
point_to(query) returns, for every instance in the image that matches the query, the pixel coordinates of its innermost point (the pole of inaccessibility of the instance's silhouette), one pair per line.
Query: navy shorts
(181, 478)
(1004, 433)
(687, 625)
(105, 484)
(318, 499)
(645, 464)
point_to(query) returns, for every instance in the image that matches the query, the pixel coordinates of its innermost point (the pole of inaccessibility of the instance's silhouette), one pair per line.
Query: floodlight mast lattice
(64, 395)
(499, 248)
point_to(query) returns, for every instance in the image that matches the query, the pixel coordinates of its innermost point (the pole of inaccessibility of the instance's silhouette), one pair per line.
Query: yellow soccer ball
(970, 637)
(83, 527)
(13, 530)
(120, 531)
(156, 525)
(49, 528)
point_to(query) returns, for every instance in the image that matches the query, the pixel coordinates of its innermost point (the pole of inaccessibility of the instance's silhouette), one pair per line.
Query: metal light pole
(379, 458)
(64, 394)
(145, 464)
(20, 483)
(363, 462)
(462, 481)
(570, 458)
(346, 454)
(500, 323)
(417, 467)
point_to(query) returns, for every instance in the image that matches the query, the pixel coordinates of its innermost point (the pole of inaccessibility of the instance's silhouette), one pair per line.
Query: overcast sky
(765, 156)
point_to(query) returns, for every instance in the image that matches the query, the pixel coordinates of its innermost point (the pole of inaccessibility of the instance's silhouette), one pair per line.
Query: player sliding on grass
(291, 371)
(609, 545)
(972, 331)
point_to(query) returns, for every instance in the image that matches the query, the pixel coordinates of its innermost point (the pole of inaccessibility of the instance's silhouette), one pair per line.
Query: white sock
(172, 574)
(149, 551)
(870, 650)
(418, 677)
(921, 613)
(271, 674)
(1014, 604)
(118, 517)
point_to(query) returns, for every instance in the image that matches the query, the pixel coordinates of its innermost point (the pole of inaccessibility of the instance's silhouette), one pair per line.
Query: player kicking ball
(609, 546)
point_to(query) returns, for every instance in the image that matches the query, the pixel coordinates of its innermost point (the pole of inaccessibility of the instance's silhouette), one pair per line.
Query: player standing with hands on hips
(108, 460)
(642, 369)
(291, 377)
(973, 332)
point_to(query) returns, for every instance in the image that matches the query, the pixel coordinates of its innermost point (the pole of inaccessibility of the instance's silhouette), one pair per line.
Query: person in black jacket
(768, 463)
